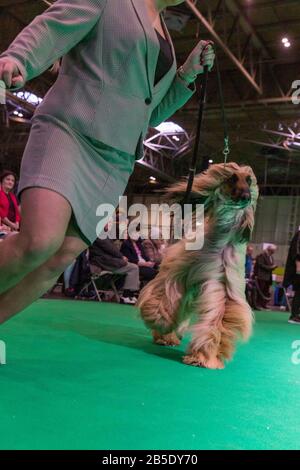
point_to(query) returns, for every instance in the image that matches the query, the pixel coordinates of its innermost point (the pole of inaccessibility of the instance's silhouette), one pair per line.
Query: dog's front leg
(170, 339)
(204, 350)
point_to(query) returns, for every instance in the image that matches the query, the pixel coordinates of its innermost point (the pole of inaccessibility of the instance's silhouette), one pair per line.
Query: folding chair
(103, 282)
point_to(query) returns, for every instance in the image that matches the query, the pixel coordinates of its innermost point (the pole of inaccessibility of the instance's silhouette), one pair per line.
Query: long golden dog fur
(206, 284)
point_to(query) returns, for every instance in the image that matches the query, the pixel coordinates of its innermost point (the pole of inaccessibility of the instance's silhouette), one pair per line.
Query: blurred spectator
(135, 253)
(4, 230)
(251, 290)
(79, 276)
(69, 292)
(154, 246)
(263, 273)
(9, 210)
(104, 254)
(292, 276)
(249, 262)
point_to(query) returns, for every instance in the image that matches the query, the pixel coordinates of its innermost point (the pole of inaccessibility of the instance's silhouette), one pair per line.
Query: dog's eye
(249, 180)
(233, 179)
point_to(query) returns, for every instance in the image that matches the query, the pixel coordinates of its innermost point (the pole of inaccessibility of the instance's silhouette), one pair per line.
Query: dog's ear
(246, 234)
(180, 198)
(246, 227)
(176, 193)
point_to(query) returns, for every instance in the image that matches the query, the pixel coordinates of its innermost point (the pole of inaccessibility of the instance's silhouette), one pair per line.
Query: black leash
(226, 150)
(193, 166)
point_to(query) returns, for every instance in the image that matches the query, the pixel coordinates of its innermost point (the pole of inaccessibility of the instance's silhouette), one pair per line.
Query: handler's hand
(10, 73)
(203, 54)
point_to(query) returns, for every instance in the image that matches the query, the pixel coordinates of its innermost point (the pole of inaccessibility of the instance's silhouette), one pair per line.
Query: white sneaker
(128, 300)
(294, 320)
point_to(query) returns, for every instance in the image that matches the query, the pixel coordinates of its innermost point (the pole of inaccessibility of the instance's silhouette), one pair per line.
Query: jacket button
(148, 101)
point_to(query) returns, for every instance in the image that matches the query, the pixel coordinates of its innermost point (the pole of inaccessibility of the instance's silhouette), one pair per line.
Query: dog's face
(237, 187)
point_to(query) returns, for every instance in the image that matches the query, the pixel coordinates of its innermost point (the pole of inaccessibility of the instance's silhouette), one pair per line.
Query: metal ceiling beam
(291, 135)
(272, 4)
(243, 104)
(156, 171)
(21, 103)
(290, 186)
(278, 25)
(222, 44)
(49, 4)
(268, 144)
(10, 3)
(247, 27)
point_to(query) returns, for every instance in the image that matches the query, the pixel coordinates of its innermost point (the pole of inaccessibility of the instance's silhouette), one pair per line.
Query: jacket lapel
(174, 65)
(151, 41)
(169, 38)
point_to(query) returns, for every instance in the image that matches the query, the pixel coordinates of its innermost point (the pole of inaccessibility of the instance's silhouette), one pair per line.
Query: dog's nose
(245, 196)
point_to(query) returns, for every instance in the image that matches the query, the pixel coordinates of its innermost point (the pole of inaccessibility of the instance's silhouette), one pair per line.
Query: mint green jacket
(105, 87)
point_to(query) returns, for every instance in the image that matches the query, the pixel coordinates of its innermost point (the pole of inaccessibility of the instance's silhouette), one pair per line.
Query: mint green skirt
(86, 172)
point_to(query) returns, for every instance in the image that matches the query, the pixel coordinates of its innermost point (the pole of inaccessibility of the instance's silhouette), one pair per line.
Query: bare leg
(45, 219)
(41, 279)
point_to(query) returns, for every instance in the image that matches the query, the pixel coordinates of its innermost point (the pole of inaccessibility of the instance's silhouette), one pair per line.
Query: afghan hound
(208, 283)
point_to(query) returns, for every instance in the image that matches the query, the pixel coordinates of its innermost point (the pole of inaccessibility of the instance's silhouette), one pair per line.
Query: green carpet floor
(83, 375)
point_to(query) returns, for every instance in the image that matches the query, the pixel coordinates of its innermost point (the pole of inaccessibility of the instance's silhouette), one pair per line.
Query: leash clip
(226, 150)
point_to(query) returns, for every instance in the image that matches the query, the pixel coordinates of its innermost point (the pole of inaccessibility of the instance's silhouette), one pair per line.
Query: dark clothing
(165, 58)
(248, 266)
(290, 275)
(263, 272)
(147, 273)
(296, 304)
(128, 250)
(263, 293)
(264, 267)
(251, 293)
(80, 273)
(105, 254)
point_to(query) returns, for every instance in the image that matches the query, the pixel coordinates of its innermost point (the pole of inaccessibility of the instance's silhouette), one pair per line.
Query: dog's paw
(197, 359)
(171, 339)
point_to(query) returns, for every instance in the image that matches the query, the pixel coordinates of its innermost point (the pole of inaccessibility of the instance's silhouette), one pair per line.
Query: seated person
(3, 229)
(69, 291)
(133, 250)
(154, 246)
(9, 210)
(104, 254)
